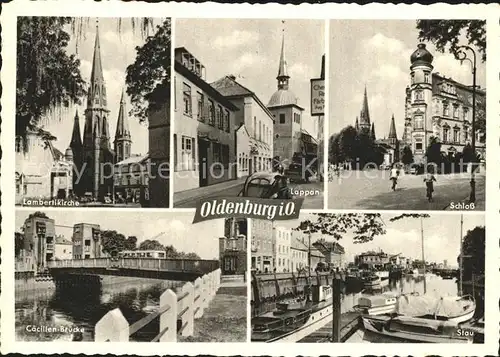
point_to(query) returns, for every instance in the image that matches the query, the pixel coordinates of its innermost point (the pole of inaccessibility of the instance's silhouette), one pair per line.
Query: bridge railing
(187, 305)
(204, 266)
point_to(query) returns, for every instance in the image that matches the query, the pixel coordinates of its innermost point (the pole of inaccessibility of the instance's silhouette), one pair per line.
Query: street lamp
(463, 54)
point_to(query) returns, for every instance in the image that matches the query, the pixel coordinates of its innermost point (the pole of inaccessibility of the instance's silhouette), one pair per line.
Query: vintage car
(265, 185)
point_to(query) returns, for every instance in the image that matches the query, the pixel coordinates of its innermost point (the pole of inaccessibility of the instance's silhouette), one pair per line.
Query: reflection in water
(60, 314)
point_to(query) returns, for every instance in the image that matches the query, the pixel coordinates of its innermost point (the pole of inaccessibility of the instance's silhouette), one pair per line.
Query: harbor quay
(356, 294)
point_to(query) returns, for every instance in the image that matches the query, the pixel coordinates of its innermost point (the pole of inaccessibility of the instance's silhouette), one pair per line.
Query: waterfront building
(39, 239)
(204, 138)
(87, 241)
(283, 241)
(131, 180)
(42, 171)
(63, 248)
(372, 259)
(233, 247)
(262, 245)
(299, 254)
(291, 141)
(333, 252)
(440, 107)
(254, 127)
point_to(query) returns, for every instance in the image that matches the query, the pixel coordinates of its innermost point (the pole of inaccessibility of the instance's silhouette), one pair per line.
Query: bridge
(165, 269)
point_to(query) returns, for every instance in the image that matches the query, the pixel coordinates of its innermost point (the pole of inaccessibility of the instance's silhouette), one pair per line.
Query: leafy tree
(148, 78)
(364, 226)
(131, 243)
(434, 151)
(447, 33)
(407, 157)
(190, 255)
(334, 154)
(473, 248)
(468, 154)
(37, 214)
(348, 144)
(18, 243)
(112, 242)
(46, 77)
(149, 244)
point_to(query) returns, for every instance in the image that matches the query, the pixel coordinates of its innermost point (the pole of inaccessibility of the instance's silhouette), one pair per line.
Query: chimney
(232, 77)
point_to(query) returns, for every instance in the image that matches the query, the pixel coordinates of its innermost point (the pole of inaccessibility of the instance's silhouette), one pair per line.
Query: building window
(254, 127)
(176, 159)
(226, 121)
(211, 113)
(445, 134)
(25, 189)
(412, 77)
(187, 99)
(456, 135)
(282, 119)
(426, 77)
(419, 122)
(466, 113)
(200, 107)
(446, 109)
(455, 111)
(216, 153)
(418, 146)
(466, 133)
(187, 153)
(218, 117)
(419, 95)
(260, 131)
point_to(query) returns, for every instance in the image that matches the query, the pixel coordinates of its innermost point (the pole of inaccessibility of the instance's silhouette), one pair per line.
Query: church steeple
(283, 76)
(364, 117)
(372, 134)
(122, 136)
(392, 131)
(97, 90)
(76, 137)
(356, 125)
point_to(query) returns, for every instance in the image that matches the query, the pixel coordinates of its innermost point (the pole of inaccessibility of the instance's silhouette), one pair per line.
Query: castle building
(439, 107)
(290, 139)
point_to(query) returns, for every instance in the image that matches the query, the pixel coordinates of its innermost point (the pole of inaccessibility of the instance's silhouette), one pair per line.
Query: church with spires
(390, 144)
(95, 154)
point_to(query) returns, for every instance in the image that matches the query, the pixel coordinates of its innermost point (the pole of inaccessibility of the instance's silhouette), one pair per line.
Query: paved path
(188, 199)
(372, 190)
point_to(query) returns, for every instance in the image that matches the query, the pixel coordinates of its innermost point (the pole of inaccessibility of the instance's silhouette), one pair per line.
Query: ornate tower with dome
(419, 113)
(287, 114)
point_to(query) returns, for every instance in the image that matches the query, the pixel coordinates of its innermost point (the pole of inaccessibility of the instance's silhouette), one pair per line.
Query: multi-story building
(131, 180)
(290, 139)
(87, 241)
(233, 247)
(283, 241)
(204, 138)
(39, 239)
(63, 248)
(262, 245)
(299, 254)
(439, 107)
(254, 123)
(373, 259)
(333, 252)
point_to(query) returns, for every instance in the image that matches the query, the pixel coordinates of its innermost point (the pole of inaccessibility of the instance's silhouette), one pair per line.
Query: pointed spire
(76, 138)
(97, 73)
(372, 134)
(282, 70)
(122, 128)
(392, 129)
(97, 88)
(365, 113)
(357, 124)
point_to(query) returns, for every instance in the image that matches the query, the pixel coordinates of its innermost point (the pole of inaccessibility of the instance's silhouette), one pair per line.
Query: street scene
(249, 106)
(88, 120)
(408, 119)
(80, 277)
(359, 277)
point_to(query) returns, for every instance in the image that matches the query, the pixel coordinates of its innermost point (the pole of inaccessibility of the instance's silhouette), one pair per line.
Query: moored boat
(377, 304)
(294, 320)
(382, 274)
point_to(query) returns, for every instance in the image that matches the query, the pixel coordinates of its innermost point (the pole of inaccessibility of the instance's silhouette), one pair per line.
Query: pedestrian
(429, 182)
(394, 176)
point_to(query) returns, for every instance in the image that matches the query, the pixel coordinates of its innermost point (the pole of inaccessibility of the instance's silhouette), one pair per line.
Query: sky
(117, 52)
(250, 50)
(377, 54)
(201, 238)
(441, 236)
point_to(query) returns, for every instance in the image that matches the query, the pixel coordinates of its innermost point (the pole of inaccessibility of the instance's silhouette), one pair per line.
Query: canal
(41, 308)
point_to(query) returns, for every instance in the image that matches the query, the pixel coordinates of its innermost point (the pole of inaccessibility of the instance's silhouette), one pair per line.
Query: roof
(373, 253)
(464, 92)
(204, 86)
(283, 97)
(62, 240)
(296, 243)
(136, 159)
(230, 88)
(327, 247)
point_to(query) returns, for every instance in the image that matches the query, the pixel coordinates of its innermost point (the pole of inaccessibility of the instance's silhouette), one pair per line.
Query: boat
(291, 321)
(377, 304)
(424, 319)
(382, 274)
(371, 281)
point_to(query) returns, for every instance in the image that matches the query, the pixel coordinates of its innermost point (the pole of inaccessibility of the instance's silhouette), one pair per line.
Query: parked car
(266, 185)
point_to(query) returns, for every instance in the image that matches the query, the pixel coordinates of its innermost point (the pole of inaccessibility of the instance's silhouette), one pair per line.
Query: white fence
(187, 305)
